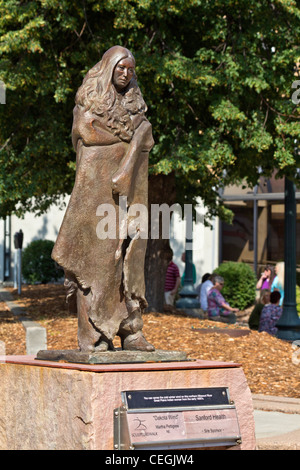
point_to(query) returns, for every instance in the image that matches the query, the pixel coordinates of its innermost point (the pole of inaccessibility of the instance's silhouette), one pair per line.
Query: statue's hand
(142, 141)
(144, 137)
(120, 183)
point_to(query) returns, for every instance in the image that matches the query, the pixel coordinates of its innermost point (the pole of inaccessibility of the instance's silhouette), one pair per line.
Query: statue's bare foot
(137, 342)
(104, 345)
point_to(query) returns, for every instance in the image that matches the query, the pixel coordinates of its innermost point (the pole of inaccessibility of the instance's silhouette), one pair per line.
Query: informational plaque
(174, 398)
(176, 419)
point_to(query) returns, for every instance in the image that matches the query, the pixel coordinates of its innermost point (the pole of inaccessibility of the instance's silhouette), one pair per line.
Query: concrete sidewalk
(277, 422)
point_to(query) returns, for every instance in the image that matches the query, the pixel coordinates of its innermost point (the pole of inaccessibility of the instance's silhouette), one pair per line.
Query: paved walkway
(277, 422)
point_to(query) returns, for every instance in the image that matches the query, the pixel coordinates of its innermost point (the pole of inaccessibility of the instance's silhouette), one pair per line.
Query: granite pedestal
(48, 405)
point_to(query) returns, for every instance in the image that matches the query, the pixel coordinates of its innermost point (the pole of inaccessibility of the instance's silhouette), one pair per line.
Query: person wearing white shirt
(205, 287)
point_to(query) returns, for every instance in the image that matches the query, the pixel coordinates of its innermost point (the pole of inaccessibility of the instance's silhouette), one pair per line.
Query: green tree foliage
(239, 284)
(217, 78)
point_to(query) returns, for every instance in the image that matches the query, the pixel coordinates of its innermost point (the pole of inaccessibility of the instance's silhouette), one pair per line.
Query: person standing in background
(172, 282)
(266, 278)
(278, 282)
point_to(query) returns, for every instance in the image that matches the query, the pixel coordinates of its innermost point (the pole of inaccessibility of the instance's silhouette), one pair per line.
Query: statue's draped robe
(109, 273)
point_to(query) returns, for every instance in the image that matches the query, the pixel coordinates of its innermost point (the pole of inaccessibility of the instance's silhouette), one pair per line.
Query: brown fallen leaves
(12, 335)
(266, 361)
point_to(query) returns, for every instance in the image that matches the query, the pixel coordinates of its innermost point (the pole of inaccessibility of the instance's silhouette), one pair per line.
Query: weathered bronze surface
(112, 138)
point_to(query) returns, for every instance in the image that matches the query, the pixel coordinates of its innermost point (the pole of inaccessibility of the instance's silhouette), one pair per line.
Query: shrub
(37, 264)
(239, 284)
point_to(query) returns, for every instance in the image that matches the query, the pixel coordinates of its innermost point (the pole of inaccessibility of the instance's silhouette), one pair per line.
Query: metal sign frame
(187, 432)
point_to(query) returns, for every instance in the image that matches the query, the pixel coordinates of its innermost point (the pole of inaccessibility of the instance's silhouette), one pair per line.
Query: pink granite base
(59, 406)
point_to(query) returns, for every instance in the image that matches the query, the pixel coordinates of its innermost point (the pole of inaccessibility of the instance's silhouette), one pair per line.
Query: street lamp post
(188, 296)
(289, 322)
(18, 241)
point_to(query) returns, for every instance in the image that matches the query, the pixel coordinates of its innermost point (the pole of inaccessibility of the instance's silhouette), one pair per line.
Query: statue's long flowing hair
(98, 95)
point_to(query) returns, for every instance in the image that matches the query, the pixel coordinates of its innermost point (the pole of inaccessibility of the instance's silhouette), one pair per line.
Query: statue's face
(123, 73)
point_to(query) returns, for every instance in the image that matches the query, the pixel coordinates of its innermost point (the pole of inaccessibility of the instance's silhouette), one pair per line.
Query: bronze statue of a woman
(112, 139)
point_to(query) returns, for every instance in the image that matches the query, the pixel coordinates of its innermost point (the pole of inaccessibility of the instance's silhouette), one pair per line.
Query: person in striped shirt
(172, 282)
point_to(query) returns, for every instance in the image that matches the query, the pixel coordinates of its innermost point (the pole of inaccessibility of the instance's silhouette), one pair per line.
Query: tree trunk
(161, 190)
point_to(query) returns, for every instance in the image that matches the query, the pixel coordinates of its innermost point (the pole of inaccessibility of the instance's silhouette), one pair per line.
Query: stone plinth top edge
(132, 367)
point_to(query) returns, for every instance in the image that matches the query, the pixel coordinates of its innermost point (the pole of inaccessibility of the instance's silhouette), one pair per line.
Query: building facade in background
(257, 233)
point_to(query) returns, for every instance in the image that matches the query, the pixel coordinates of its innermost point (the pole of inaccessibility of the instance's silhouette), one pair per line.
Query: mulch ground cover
(267, 361)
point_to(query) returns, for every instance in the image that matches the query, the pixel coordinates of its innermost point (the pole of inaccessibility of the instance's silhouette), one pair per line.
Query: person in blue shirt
(278, 282)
